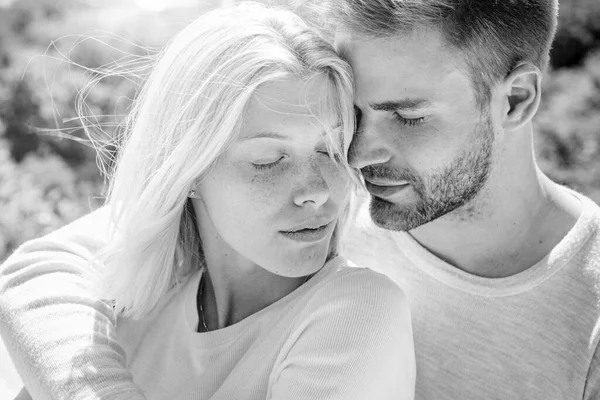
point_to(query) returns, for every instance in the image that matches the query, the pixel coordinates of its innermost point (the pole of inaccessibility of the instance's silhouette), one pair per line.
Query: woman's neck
(231, 294)
(234, 287)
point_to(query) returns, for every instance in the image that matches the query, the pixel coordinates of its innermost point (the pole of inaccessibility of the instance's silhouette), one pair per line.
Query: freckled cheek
(238, 187)
(246, 205)
(262, 192)
(338, 181)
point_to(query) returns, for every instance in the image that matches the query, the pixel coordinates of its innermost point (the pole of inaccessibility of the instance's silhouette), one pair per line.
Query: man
(501, 265)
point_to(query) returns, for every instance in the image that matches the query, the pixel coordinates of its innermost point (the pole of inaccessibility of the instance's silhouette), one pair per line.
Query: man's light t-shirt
(531, 336)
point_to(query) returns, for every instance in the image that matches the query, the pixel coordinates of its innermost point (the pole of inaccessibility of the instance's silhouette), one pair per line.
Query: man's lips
(386, 189)
(383, 182)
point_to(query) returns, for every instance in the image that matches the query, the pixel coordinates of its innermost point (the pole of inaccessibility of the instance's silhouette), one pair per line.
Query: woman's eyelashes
(332, 155)
(261, 166)
(325, 153)
(267, 164)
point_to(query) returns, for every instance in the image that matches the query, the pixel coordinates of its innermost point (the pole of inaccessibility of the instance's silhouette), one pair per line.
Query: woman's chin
(305, 262)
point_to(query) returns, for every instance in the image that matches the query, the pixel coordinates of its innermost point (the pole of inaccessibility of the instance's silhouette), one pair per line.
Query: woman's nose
(312, 189)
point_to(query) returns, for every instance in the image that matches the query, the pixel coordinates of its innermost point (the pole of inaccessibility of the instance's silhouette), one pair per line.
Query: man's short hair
(494, 35)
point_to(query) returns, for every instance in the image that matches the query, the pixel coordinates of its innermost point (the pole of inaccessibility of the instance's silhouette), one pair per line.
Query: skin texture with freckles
(276, 176)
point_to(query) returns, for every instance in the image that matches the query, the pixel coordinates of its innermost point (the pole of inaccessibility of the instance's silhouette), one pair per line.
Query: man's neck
(515, 226)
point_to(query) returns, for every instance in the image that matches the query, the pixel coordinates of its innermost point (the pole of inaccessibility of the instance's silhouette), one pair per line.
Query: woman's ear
(523, 92)
(194, 192)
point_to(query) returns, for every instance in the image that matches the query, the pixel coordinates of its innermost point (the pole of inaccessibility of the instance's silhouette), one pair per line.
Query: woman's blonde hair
(184, 118)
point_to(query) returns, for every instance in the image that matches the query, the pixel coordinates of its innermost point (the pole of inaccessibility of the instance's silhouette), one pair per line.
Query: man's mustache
(385, 173)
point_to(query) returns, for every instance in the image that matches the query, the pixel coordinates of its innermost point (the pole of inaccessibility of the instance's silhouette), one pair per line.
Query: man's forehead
(416, 64)
(425, 46)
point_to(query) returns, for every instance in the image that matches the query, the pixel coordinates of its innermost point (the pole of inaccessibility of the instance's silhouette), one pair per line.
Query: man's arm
(60, 336)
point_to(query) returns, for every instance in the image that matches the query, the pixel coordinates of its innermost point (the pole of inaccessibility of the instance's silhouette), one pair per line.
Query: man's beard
(437, 194)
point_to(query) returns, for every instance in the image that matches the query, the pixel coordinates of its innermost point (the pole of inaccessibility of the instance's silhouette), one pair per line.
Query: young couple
(217, 269)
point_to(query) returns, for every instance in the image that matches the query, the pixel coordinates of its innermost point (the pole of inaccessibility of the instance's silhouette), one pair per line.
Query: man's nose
(367, 147)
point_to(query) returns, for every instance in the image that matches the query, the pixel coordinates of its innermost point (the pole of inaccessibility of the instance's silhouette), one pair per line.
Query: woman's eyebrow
(266, 134)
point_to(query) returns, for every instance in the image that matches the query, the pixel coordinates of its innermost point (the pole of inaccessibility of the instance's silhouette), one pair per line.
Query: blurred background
(49, 49)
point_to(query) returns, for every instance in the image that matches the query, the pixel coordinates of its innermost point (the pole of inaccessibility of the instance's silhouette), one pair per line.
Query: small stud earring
(192, 193)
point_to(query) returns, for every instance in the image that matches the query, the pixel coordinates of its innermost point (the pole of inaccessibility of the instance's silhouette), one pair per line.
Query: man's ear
(523, 91)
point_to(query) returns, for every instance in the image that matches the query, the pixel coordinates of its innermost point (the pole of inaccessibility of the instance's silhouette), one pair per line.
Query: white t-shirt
(533, 335)
(344, 334)
(338, 336)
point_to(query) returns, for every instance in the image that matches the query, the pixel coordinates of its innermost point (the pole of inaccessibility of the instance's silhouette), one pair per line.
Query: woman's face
(273, 198)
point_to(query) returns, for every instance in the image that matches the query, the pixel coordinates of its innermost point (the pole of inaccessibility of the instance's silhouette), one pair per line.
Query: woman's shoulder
(363, 317)
(357, 277)
(358, 289)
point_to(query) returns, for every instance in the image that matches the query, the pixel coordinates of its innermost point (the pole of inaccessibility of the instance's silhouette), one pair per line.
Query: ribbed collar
(554, 261)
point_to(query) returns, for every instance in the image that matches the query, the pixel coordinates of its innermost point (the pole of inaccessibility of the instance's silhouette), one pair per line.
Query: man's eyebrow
(404, 104)
(271, 135)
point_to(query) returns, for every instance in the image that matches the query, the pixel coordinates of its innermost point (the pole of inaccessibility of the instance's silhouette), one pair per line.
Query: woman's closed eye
(334, 156)
(325, 153)
(273, 162)
(268, 164)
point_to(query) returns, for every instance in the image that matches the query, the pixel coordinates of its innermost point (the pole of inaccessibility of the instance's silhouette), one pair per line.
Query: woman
(225, 210)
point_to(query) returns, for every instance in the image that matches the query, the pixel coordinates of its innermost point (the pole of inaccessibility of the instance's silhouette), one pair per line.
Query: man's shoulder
(592, 210)
(576, 263)
(585, 235)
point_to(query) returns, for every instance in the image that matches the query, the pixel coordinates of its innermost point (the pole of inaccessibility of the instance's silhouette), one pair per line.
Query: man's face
(423, 145)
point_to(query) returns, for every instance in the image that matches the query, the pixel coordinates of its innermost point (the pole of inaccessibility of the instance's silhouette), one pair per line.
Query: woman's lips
(308, 235)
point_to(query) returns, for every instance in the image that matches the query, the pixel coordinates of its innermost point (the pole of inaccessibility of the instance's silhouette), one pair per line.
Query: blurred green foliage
(47, 180)
(578, 32)
(567, 136)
